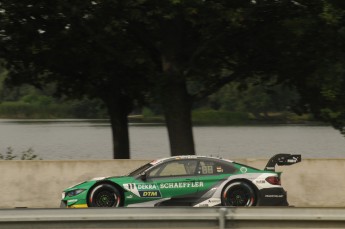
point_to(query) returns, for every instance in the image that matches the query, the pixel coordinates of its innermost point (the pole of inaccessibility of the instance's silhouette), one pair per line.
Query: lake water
(91, 139)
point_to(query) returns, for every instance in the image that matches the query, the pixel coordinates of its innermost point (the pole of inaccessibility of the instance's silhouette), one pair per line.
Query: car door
(176, 181)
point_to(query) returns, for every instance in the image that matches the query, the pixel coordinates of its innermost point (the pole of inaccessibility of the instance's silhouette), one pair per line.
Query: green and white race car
(196, 181)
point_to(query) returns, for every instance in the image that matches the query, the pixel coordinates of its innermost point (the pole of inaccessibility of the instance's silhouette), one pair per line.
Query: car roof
(158, 161)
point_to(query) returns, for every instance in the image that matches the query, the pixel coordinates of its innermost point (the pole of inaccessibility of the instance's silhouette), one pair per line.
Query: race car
(197, 181)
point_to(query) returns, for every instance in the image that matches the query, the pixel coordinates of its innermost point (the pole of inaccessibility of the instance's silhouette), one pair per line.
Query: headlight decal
(74, 192)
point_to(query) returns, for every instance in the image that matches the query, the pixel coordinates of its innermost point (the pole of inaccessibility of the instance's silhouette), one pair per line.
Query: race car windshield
(139, 170)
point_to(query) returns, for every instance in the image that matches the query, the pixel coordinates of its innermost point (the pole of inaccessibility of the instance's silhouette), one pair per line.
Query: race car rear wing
(282, 159)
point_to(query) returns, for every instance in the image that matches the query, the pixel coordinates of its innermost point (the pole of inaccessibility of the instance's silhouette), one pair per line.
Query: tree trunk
(177, 111)
(118, 110)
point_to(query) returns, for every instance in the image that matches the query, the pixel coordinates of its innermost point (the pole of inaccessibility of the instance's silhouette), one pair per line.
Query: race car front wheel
(238, 193)
(104, 195)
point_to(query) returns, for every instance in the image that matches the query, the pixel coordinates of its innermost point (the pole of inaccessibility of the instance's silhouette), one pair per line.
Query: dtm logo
(153, 194)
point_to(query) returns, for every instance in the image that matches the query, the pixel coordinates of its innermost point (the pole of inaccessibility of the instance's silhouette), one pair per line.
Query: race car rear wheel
(238, 193)
(104, 195)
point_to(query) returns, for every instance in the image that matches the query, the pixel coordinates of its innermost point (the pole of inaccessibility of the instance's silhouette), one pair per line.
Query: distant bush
(25, 155)
(219, 117)
(26, 110)
(86, 108)
(147, 112)
(40, 100)
(30, 107)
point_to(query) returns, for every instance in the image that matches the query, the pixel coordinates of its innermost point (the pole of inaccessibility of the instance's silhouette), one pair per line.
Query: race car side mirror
(143, 176)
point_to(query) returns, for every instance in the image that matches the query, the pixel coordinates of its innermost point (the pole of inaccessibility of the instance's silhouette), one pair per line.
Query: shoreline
(149, 121)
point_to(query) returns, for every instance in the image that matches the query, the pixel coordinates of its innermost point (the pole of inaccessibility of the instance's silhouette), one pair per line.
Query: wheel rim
(238, 195)
(106, 198)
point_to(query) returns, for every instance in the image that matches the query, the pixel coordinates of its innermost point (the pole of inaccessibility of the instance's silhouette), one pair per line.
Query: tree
(199, 46)
(186, 41)
(80, 46)
(313, 61)
(307, 53)
(115, 50)
(258, 98)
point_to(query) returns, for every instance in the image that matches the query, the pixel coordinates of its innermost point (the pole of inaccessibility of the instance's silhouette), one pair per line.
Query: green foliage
(25, 155)
(256, 98)
(27, 101)
(331, 13)
(178, 52)
(219, 117)
(69, 109)
(147, 112)
(34, 99)
(16, 110)
(86, 108)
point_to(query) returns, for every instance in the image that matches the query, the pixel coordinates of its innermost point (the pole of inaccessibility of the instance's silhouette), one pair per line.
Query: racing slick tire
(238, 193)
(104, 195)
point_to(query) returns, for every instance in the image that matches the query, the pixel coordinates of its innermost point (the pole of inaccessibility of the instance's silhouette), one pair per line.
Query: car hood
(87, 184)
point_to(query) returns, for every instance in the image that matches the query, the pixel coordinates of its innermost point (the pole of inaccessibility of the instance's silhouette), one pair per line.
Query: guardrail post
(221, 218)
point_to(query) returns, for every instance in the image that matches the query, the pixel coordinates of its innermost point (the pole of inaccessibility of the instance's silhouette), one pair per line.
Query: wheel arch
(117, 186)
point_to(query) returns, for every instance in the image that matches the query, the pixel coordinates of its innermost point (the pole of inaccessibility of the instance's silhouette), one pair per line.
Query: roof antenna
(219, 153)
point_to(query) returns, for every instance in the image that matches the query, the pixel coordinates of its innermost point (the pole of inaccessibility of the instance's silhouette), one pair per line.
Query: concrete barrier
(38, 184)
